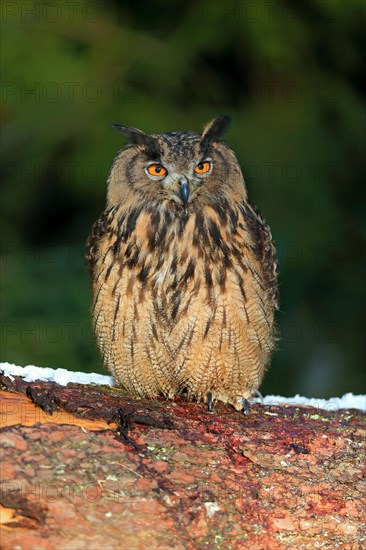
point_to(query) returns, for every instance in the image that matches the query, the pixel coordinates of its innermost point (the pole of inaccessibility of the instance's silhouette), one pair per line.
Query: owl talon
(259, 395)
(245, 409)
(210, 401)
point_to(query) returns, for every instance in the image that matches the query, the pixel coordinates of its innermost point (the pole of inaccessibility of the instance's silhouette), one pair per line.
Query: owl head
(183, 170)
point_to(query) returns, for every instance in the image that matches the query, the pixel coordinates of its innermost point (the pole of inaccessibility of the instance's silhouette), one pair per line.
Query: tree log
(92, 467)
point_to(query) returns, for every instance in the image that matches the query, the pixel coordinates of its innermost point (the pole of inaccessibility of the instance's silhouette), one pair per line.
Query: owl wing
(264, 249)
(100, 228)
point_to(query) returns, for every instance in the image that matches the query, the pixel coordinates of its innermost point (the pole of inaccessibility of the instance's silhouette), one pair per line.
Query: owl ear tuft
(215, 129)
(137, 137)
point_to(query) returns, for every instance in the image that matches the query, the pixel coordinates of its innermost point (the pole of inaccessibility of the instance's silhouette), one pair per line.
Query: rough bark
(92, 467)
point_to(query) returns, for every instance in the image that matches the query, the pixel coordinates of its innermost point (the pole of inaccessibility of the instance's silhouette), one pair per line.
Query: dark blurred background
(289, 73)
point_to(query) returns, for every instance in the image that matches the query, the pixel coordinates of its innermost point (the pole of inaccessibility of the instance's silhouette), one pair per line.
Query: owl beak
(184, 190)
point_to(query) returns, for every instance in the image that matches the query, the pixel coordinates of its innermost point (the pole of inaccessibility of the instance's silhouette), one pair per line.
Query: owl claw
(259, 395)
(210, 401)
(245, 409)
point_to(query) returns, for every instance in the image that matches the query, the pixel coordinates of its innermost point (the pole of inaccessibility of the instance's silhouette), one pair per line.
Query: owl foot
(210, 401)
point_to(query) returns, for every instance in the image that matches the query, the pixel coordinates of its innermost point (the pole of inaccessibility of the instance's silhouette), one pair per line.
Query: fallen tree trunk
(91, 467)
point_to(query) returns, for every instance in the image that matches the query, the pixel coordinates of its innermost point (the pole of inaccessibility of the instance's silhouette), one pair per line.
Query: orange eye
(156, 170)
(203, 167)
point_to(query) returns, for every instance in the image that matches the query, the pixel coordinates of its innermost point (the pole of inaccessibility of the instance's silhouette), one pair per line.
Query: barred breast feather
(184, 301)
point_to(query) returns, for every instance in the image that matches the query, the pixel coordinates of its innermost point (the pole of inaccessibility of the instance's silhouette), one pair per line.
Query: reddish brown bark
(108, 471)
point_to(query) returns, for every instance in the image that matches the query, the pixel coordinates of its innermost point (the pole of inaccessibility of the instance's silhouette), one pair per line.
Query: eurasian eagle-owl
(183, 270)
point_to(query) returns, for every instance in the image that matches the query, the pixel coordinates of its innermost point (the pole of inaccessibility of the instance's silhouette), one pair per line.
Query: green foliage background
(289, 73)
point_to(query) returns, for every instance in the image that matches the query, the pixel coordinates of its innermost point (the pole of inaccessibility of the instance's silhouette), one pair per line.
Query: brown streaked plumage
(183, 270)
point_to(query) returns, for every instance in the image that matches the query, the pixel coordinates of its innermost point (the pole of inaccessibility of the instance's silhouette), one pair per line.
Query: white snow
(211, 508)
(30, 373)
(347, 401)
